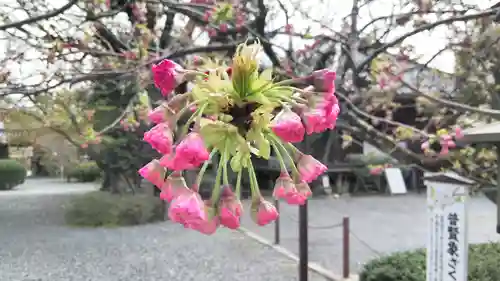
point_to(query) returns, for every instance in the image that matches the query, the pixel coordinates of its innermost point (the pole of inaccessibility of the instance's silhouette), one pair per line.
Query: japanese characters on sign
(453, 245)
(447, 241)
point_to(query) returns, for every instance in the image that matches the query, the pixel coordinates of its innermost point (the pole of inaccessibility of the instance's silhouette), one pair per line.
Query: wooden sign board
(447, 245)
(395, 181)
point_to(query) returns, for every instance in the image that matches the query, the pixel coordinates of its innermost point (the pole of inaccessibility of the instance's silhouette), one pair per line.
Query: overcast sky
(329, 12)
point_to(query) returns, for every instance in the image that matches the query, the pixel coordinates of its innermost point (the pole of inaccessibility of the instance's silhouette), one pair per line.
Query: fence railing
(303, 240)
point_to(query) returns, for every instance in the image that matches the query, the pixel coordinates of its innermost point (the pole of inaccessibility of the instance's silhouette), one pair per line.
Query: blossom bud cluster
(236, 113)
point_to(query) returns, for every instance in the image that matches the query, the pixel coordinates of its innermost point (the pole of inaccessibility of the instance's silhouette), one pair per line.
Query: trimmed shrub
(104, 209)
(84, 172)
(410, 266)
(12, 173)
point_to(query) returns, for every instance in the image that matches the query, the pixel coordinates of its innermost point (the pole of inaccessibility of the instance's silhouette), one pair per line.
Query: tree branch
(38, 18)
(421, 29)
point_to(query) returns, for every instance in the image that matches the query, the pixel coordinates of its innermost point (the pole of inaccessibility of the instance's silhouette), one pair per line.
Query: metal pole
(303, 243)
(498, 187)
(414, 182)
(277, 224)
(345, 248)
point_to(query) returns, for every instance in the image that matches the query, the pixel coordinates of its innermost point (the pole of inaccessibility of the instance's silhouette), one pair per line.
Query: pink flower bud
(223, 27)
(153, 172)
(189, 154)
(425, 145)
(189, 210)
(284, 185)
(376, 170)
(158, 115)
(263, 212)
(167, 76)
(231, 209)
(310, 168)
(324, 80)
(323, 116)
(459, 133)
(288, 126)
(207, 15)
(173, 186)
(160, 137)
(211, 32)
(129, 55)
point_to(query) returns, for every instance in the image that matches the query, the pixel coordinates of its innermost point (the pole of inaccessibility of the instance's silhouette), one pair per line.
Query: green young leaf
(279, 93)
(258, 98)
(266, 75)
(260, 86)
(264, 147)
(240, 160)
(235, 163)
(213, 134)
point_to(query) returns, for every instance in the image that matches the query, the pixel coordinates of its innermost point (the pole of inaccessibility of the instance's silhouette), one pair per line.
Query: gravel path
(35, 245)
(379, 225)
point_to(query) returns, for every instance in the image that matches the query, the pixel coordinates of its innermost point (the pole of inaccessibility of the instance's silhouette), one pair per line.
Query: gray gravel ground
(35, 245)
(379, 225)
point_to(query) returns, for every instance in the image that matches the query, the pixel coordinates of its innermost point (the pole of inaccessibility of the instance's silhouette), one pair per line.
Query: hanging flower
(263, 212)
(167, 76)
(237, 113)
(160, 138)
(459, 133)
(324, 80)
(158, 115)
(189, 154)
(173, 186)
(188, 209)
(310, 168)
(288, 126)
(322, 114)
(230, 209)
(153, 172)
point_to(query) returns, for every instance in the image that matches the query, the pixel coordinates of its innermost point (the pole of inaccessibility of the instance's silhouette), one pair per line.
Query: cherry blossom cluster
(388, 76)
(236, 113)
(446, 141)
(223, 16)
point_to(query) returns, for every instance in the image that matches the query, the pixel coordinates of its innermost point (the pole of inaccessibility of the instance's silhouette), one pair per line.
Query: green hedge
(84, 172)
(12, 173)
(360, 163)
(99, 208)
(484, 265)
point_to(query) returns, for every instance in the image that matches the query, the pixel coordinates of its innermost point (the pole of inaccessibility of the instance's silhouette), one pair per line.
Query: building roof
(482, 133)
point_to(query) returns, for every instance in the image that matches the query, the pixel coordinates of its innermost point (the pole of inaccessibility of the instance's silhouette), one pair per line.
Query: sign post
(447, 244)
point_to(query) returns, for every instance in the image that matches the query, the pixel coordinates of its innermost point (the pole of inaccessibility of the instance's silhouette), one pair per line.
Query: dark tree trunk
(4, 151)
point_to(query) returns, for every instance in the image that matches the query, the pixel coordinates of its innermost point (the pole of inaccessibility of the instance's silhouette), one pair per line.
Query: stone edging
(312, 266)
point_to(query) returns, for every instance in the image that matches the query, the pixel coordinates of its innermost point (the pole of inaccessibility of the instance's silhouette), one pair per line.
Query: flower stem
(226, 158)
(238, 185)
(253, 180)
(197, 113)
(190, 71)
(290, 81)
(278, 154)
(292, 148)
(186, 108)
(299, 99)
(216, 190)
(295, 171)
(203, 169)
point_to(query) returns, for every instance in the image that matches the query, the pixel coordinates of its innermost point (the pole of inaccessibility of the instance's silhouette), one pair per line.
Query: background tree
(108, 48)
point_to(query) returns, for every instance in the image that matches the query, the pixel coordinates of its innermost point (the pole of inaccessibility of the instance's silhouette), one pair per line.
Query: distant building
(40, 149)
